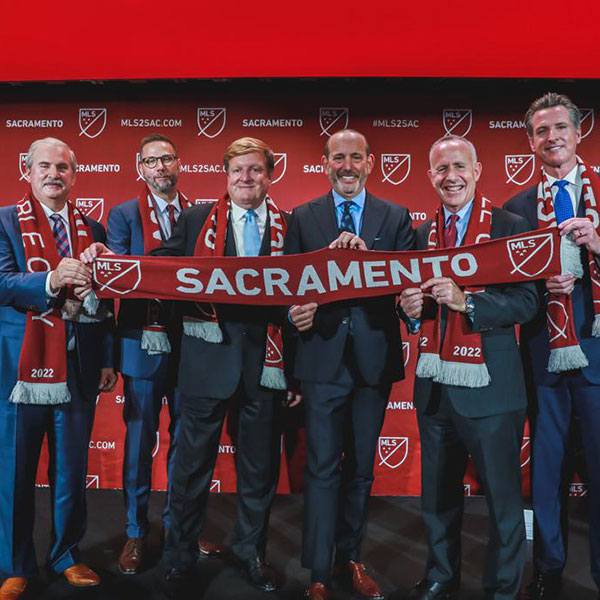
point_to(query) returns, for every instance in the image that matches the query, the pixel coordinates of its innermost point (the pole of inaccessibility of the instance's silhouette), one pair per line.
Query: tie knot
(250, 215)
(348, 205)
(452, 220)
(561, 184)
(171, 209)
(56, 218)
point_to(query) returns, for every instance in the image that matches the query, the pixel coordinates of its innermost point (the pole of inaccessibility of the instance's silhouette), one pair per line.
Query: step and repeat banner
(400, 123)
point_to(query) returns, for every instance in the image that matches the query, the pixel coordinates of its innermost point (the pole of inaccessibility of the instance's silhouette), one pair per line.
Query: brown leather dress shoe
(362, 583)
(131, 557)
(211, 549)
(318, 591)
(81, 575)
(13, 588)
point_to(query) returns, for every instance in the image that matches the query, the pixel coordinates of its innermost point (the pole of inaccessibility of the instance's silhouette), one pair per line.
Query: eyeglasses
(166, 159)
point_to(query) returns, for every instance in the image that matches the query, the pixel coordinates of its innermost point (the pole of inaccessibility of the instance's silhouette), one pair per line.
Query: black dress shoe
(431, 590)
(543, 587)
(260, 574)
(176, 583)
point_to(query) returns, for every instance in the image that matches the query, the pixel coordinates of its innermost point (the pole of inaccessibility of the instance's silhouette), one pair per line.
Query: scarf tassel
(463, 374)
(273, 378)
(429, 365)
(26, 392)
(570, 257)
(155, 342)
(209, 331)
(567, 359)
(596, 326)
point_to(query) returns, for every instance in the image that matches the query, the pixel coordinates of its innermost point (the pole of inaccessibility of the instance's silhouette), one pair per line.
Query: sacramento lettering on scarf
(325, 275)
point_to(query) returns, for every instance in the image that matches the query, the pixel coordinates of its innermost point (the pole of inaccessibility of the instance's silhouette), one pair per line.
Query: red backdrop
(401, 119)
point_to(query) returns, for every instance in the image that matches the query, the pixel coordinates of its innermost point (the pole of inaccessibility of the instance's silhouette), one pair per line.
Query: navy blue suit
(147, 378)
(23, 426)
(553, 398)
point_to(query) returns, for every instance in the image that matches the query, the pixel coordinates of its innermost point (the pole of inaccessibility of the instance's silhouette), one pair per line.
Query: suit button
(346, 320)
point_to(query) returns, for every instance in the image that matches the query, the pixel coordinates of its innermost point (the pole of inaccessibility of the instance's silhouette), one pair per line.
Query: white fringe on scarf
(155, 342)
(26, 392)
(208, 331)
(567, 359)
(463, 374)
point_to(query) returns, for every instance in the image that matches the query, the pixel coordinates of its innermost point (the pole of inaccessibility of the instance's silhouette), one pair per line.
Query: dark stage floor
(394, 550)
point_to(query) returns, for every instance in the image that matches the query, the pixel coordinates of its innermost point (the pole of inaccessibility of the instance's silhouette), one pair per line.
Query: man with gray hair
(466, 404)
(561, 346)
(55, 356)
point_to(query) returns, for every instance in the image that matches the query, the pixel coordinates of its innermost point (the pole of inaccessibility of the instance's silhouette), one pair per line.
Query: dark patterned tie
(60, 236)
(172, 219)
(450, 232)
(563, 207)
(347, 222)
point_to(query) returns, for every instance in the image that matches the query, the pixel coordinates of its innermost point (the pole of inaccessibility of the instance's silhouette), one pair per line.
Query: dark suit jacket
(125, 236)
(535, 341)
(21, 291)
(497, 310)
(214, 370)
(377, 347)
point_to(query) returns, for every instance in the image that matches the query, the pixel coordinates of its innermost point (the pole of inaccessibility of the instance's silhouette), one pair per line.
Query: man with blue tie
(229, 351)
(56, 354)
(149, 334)
(561, 346)
(348, 356)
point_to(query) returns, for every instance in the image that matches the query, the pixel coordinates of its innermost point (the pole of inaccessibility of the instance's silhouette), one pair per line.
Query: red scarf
(155, 339)
(42, 374)
(204, 324)
(565, 352)
(460, 361)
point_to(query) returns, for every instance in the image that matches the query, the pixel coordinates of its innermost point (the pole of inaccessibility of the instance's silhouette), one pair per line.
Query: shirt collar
(63, 212)
(573, 177)
(237, 212)
(463, 214)
(359, 199)
(162, 204)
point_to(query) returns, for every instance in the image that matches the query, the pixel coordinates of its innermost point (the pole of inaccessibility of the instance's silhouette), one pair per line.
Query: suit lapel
(230, 248)
(373, 218)
(324, 214)
(265, 246)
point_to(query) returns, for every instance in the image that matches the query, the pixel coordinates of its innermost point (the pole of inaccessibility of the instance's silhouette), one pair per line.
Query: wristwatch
(469, 304)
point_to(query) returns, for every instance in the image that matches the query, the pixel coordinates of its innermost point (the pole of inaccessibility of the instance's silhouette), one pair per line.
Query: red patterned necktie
(172, 219)
(450, 232)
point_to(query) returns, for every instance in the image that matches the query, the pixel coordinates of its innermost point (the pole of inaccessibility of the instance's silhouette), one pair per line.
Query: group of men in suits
(346, 356)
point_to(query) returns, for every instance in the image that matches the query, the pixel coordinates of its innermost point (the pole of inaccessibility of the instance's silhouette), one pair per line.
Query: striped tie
(60, 236)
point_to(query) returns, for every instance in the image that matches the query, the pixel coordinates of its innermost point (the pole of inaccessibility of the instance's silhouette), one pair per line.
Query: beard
(166, 184)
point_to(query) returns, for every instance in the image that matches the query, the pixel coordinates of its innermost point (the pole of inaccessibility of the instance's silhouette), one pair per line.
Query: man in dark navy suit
(53, 364)
(348, 356)
(567, 195)
(149, 334)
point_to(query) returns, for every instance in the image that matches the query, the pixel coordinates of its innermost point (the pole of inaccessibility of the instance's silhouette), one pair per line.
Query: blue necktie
(251, 234)
(563, 207)
(347, 222)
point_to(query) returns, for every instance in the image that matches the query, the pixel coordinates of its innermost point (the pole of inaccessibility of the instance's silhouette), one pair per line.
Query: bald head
(348, 134)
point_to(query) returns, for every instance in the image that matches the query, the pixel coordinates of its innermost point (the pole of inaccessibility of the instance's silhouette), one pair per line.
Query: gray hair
(52, 142)
(550, 100)
(454, 138)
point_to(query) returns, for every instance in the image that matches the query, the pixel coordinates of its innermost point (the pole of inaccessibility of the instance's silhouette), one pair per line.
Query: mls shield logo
(205, 200)
(92, 482)
(525, 451)
(211, 121)
(393, 451)
(395, 168)
(587, 121)
(578, 489)
(215, 486)
(558, 323)
(156, 445)
(138, 167)
(530, 254)
(457, 121)
(120, 276)
(406, 352)
(91, 207)
(519, 167)
(92, 121)
(22, 165)
(333, 119)
(467, 488)
(280, 166)
(273, 355)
